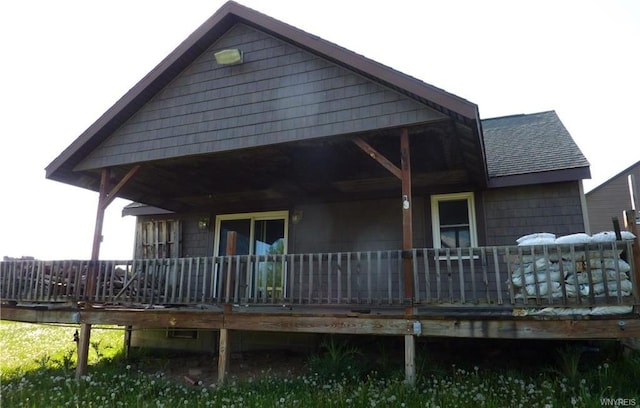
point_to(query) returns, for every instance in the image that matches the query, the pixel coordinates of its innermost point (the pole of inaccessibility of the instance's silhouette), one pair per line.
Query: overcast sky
(66, 62)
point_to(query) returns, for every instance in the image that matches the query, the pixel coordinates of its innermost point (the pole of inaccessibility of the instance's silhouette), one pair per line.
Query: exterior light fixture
(296, 217)
(228, 57)
(203, 223)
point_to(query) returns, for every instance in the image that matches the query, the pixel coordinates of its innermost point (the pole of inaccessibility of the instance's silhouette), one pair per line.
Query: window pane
(455, 237)
(243, 228)
(454, 212)
(269, 237)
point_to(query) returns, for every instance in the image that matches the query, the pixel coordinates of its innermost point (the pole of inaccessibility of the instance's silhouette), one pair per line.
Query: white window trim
(435, 216)
(253, 216)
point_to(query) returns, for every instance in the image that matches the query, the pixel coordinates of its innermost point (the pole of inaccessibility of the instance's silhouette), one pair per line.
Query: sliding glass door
(261, 234)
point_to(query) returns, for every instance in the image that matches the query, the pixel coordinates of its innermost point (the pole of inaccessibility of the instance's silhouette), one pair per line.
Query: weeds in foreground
(336, 359)
(44, 380)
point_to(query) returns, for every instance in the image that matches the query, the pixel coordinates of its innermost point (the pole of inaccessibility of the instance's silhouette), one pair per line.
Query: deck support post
(128, 330)
(224, 354)
(83, 350)
(410, 359)
(224, 346)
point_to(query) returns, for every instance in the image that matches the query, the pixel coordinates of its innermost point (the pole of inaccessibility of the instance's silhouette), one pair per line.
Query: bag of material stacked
(605, 272)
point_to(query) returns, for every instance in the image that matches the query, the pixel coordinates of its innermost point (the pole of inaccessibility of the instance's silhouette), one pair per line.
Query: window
(158, 239)
(257, 234)
(453, 220)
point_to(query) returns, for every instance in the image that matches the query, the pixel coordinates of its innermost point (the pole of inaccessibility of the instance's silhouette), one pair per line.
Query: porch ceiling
(329, 169)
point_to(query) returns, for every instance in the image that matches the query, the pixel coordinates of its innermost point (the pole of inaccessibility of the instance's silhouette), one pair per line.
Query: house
(613, 197)
(284, 184)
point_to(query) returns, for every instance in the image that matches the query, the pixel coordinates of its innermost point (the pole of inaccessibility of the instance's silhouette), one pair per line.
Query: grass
(37, 370)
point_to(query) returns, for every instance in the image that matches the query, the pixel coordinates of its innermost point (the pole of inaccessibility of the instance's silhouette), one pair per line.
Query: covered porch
(551, 292)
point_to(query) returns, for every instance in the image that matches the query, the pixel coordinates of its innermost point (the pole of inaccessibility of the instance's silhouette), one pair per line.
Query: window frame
(436, 199)
(253, 216)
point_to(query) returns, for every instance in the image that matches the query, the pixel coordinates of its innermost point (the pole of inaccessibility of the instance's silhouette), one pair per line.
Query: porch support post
(224, 346)
(407, 219)
(410, 359)
(85, 328)
(105, 198)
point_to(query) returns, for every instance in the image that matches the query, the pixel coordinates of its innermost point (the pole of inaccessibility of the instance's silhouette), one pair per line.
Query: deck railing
(558, 275)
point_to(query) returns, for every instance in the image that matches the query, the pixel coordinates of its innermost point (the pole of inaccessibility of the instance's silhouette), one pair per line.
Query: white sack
(579, 238)
(537, 235)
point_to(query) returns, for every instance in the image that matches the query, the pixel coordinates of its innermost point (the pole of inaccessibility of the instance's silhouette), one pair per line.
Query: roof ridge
(519, 115)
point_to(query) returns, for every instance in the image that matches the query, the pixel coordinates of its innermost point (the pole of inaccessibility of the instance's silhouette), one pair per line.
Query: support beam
(407, 219)
(105, 198)
(375, 155)
(410, 359)
(404, 174)
(83, 350)
(631, 226)
(128, 330)
(116, 189)
(224, 353)
(85, 329)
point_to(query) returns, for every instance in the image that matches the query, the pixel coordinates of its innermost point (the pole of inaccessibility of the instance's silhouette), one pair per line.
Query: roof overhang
(461, 111)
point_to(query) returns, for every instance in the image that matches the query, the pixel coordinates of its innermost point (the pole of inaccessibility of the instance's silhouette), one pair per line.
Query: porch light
(405, 202)
(203, 223)
(228, 57)
(296, 217)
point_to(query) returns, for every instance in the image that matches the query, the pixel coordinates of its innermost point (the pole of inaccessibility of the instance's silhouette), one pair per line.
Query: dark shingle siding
(279, 94)
(515, 211)
(532, 143)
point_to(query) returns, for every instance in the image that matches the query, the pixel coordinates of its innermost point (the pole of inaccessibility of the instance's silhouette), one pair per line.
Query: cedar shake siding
(512, 212)
(279, 94)
(331, 227)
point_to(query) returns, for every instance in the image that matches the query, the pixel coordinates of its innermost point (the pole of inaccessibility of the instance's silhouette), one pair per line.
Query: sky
(64, 63)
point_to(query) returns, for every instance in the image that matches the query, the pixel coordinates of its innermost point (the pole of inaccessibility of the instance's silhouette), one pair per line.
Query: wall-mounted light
(229, 56)
(405, 202)
(203, 223)
(296, 216)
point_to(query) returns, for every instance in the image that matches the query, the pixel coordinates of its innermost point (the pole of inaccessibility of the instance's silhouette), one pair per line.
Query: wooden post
(630, 224)
(230, 250)
(127, 341)
(224, 347)
(224, 353)
(85, 328)
(404, 174)
(410, 359)
(407, 219)
(105, 198)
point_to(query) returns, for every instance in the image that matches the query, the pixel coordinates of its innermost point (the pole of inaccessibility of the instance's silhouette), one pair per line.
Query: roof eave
(554, 176)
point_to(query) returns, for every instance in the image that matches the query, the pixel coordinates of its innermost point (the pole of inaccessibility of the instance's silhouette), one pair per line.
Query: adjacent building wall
(611, 199)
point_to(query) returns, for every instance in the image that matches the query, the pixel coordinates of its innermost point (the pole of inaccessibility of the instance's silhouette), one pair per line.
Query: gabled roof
(231, 13)
(532, 148)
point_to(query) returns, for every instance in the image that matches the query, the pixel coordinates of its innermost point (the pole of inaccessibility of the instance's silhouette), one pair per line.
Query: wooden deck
(560, 291)
(556, 292)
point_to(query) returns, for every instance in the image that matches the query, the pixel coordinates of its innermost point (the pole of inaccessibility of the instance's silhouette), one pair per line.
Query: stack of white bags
(540, 274)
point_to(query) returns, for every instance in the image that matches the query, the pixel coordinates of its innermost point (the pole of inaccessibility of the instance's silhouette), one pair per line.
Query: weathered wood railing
(559, 275)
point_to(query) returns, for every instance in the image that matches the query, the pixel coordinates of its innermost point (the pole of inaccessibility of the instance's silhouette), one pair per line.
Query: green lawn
(38, 361)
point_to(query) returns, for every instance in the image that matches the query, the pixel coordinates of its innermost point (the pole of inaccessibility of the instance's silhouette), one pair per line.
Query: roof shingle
(532, 143)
